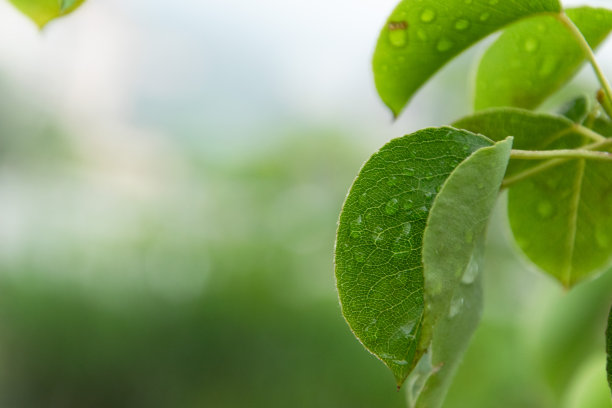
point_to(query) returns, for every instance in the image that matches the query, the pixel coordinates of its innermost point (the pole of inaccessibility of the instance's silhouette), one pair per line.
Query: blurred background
(170, 180)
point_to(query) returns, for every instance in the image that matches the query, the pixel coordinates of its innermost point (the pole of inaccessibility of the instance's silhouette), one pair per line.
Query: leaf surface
(609, 348)
(379, 268)
(452, 255)
(421, 36)
(561, 218)
(531, 131)
(43, 11)
(535, 57)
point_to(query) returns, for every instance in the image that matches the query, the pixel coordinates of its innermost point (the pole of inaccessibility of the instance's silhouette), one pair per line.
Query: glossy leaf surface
(535, 57)
(43, 11)
(421, 36)
(452, 254)
(379, 248)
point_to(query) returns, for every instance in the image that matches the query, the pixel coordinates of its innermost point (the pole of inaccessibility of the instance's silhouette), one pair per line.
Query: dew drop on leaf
(545, 209)
(484, 16)
(462, 24)
(398, 33)
(356, 227)
(455, 306)
(428, 15)
(392, 206)
(548, 67)
(493, 2)
(359, 256)
(531, 45)
(422, 34)
(471, 271)
(444, 44)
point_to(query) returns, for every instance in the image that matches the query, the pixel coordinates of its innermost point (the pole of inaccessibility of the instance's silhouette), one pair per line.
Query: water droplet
(444, 44)
(356, 227)
(468, 2)
(462, 24)
(359, 256)
(484, 16)
(392, 206)
(408, 204)
(398, 33)
(428, 15)
(493, 2)
(363, 199)
(455, 306)
(471, 271)
(548, 67)
(407, 228)
(545, 209)
(541, 28)
(531, 45)
(400, 362)
(422, 34)
(392, 181)
(409, 171)
(469, 237)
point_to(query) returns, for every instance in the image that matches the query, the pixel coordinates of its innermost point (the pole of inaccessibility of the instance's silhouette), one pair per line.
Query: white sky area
(224, 66)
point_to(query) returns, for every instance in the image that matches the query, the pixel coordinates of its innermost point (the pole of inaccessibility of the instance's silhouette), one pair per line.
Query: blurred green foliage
(217, 290)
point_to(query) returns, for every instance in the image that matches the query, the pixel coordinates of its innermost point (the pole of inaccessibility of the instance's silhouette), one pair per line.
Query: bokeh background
(170, 179)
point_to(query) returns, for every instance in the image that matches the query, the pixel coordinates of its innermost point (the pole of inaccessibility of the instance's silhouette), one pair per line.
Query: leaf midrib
(566, 278)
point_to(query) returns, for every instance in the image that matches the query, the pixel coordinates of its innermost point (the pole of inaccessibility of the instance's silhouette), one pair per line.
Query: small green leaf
(43, 11)
(379, 269)
(560, 217)
(421, 36)
(452, 253)
(535, 57)
(577, 109)
(609, 348)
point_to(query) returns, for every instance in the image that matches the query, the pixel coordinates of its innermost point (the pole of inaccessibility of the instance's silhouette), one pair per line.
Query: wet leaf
(421, 36)
(452, 255)
(379, 268)
(561, 217)
(43, 11)
(535, 57)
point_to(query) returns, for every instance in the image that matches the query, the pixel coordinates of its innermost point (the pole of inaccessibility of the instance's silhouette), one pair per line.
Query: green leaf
(43, 11)
(452, 254)
(560, 217)
(577, 109)
(421, 36)
(602, 126)
(609, 348)
(379, 269)
(535, 57)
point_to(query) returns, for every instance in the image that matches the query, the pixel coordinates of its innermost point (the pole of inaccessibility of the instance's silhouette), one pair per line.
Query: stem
(585, 131)
(582, 42)
(559, 154)
(508, 181)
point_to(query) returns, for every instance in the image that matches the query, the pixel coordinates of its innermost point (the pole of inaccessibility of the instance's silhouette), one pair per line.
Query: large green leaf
(535, 57)
(421, 36)
(379, 269)
(43, 11)
(609, 348)
(452, 253)
(561, 217)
